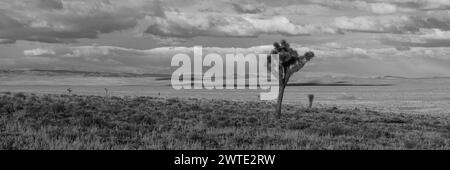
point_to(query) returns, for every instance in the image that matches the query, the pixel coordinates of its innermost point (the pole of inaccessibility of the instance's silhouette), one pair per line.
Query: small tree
(290, 63)
(69, 90)
(106, 92)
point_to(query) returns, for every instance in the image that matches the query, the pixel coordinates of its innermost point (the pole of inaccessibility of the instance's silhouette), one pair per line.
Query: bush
(171, 101)
(57, 107)
(9, 108)
(20, 95)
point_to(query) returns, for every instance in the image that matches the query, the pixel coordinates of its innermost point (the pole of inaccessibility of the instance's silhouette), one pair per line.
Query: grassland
(30, 121)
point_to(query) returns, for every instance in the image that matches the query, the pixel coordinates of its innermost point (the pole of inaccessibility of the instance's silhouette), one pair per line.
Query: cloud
(436, 34)
(189, 25)
(175, 22)
(415, 42)
(423, 38)
(103, 58)
(399, 24)
(371, 23)
(385, 6)
(378, 8)
(250, 8)
(55, 21)
(49, 4)
(421, 4)
(332, 59)
(39, 52)
(300, 9)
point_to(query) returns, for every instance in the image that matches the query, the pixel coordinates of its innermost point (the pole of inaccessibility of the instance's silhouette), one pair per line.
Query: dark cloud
(418, 22)
(401, 24)
(423, 5)
(79, 27)
(426, 43)
(402, 48)
(415, 23)
(52, 22)
(13, 30)
(49, 4)
(247, 8)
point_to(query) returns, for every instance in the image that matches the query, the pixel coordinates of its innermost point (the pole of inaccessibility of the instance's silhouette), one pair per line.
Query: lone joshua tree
(290, 63)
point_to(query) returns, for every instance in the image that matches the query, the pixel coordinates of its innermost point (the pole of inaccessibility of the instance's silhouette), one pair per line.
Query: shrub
(57, 107)
(9, 108)
(171, 101)
(20, 95)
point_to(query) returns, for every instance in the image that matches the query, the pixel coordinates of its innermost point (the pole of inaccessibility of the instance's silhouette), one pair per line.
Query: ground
(31, 121)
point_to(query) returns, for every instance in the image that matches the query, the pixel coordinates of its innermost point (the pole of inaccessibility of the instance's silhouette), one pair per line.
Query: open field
(30, 121)
(382, 94)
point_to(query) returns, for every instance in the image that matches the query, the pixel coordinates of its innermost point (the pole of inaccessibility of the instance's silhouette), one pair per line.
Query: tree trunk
(280, 99)
(284, 79)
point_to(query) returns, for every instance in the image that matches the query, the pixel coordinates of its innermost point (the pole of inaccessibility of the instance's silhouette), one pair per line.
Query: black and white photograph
(224, 75)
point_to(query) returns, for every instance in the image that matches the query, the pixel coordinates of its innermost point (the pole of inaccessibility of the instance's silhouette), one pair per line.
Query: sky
(408, 38)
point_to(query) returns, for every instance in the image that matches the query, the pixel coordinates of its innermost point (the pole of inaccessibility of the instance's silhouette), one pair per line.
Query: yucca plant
(69, 90)
(290, 63)
(310, 100)
(106, 92)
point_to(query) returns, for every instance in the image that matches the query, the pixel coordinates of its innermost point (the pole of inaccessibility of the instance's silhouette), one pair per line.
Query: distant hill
(41, 72)
(161, 76)
(400, 77)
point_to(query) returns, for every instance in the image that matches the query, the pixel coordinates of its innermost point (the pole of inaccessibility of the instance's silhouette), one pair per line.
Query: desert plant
(57, 107)
(290, 63)
(106, 92)
(69, 90)
(20, 95)
(310, 100)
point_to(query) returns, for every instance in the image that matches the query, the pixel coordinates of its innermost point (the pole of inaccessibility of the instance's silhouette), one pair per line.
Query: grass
(30, 121)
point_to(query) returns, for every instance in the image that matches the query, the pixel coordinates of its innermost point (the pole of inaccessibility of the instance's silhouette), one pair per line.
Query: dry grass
(29, 121)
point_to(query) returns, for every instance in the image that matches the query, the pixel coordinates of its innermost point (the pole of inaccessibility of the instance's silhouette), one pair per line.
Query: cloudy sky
(350, 37)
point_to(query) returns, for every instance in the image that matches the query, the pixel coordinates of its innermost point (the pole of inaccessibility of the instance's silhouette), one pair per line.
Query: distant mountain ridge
(43, 72)
(401, 77)
(161, 76)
